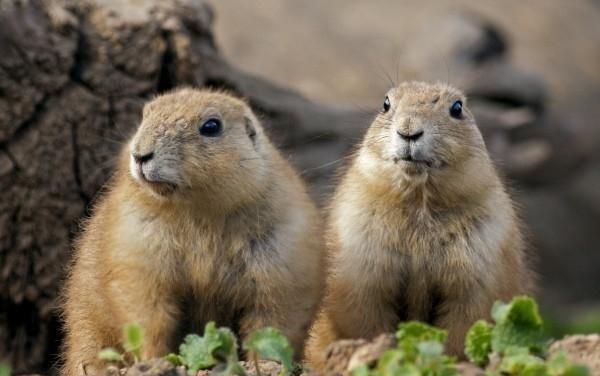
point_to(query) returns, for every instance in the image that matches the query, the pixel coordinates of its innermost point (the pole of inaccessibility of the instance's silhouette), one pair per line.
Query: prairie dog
(204, 220)
(420, 226)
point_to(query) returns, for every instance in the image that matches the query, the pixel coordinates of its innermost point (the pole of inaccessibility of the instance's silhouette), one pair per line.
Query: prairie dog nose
(142, 158)
(410, 136)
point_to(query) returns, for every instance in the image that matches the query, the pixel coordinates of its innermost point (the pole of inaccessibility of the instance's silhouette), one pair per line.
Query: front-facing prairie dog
(204, 220)
(420, 227)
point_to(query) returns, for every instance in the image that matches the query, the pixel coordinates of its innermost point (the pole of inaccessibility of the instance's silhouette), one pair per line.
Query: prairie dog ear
(250, 128)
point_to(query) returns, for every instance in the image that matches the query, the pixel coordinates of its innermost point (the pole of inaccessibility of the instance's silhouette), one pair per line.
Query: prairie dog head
(423, 131)
(199, 144)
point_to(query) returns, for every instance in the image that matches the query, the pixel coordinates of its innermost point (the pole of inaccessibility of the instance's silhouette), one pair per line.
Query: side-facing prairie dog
(420, 226)
(204, 220)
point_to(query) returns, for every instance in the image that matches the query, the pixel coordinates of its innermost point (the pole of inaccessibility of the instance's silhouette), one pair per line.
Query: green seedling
(419, 352)
(133, 341)
(269, 343)
(5, 369)
(216, 349)
(478, 343)
(517, 338)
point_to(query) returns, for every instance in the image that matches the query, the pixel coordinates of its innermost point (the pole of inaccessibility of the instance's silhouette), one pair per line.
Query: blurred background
(75, 74)
(344, 53)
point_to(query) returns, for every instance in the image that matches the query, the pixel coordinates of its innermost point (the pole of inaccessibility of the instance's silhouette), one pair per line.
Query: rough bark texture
(73, 78)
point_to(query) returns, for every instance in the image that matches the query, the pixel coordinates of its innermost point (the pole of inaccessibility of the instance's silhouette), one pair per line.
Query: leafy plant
(518, 324)
(110, 354)
(5, 369)
(519, 361)
(419, 352)
(478, 344)
(133, 341)
(517, 338)
(558, 364)
(216, 348)
(269, 343)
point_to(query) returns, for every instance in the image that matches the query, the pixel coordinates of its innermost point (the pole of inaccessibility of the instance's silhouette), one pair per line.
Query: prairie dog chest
(184, 254)
(407, 249)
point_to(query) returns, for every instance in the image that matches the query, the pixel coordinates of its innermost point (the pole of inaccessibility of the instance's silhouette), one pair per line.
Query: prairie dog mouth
(163, 188)
(157, 184)
(410, 160)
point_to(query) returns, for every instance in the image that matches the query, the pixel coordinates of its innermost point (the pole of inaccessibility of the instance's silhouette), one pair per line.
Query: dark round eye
(456, 110)
(386, 104)
(211, 128)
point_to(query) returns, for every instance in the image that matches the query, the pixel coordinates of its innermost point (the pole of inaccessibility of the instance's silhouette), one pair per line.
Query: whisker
(322, 166)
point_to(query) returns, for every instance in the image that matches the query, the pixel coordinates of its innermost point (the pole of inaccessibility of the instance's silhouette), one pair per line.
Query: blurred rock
(371, 352)
(468, 369)
(266, 367)
(581, 349)
(154, 367)
(339, 354)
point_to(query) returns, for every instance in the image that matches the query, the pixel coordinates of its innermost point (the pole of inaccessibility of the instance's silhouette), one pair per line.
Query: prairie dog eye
(456, 110)
(211, 128)
(386, 104)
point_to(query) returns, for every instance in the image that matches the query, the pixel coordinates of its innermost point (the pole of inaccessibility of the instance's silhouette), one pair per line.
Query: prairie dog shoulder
(204, 220)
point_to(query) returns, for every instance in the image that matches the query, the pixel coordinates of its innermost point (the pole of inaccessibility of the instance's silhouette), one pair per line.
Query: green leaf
(5, 370)
(430, 349)
(216, 346)
(174, 359)
(447, 370)
(361, 370)
(478, 342)
(411, 333)
(414, 330)
(269, 343)
(233, 369)
(519, 361)
(420, 352)
(390, 363)
(133, 338)
(406, 370)
(110, 355)
(522, 310)
(227, 349)
(560, 365)
(576, 370)
(518, 323)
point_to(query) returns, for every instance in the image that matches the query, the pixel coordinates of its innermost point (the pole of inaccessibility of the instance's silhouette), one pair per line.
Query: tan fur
(437, 243)
(237, 241)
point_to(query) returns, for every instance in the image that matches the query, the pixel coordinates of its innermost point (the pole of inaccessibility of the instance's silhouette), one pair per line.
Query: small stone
(369, 353)
(153, 367)
(581, 349)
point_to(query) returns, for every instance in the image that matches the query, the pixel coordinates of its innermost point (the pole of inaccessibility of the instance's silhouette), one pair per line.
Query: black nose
(415, 135)
(141, 159)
